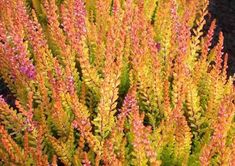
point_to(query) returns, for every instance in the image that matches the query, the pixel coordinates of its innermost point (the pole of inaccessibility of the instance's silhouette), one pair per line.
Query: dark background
(224, 12)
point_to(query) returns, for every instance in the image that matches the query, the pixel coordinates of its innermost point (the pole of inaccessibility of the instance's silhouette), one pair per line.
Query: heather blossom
(113, 82)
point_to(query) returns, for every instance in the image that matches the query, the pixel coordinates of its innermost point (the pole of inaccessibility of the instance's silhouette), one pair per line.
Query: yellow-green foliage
(113, 82)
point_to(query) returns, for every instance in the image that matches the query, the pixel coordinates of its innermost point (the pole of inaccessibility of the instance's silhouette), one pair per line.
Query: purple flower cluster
(80, 15)
(28, 69)
(22, 62)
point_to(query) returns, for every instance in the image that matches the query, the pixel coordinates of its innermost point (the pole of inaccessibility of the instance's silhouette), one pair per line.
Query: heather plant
(114, 82)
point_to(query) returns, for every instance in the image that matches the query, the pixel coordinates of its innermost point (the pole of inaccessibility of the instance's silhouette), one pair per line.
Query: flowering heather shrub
(114, 82)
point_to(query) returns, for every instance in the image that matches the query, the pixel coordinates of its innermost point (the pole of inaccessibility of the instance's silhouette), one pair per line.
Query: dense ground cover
(113, 82)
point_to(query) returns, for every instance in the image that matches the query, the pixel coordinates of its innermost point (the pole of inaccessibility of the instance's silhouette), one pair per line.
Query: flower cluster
(114, 82)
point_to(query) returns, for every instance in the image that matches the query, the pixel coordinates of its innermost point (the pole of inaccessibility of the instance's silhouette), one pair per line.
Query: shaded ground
(6, 93)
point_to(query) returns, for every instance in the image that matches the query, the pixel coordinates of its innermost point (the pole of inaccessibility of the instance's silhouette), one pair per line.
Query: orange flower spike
(113, 148)
(19, 58)
(116, 8)
(126, 110)
(73, 16)
(54, 161)
(36, 38)
(225, 118)
(68, 22)
(184, 37)
(26, 144)
(76, 31)
(102, 9)
(153, 46)
(17, 65)
(181, 35)
(195, 41)
(3, 36)
(181, 129)
(110, 51)
(23, 64)
(206, 156)
(12, 149)
(225, 67)
(232, 157)
(70, 82)
(219, 54)
(109, 157)
(30, 112)
(127, 18)
(86, 161)
(143, 150)
(58, 80)
(175, 20)
(43, 93)
(141, 143)
(167, 106)
(116, 138)
(137, 50)
(54, 25)
(82, 123)
(221, 127)
(40, 158)
(208, 40)
(61, 150)
(105, 120)
(80, 18)
(183, 137)
(9, 116)
(119, 33)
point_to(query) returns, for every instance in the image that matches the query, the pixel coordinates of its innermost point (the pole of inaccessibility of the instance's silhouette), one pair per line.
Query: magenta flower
(20, 59)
